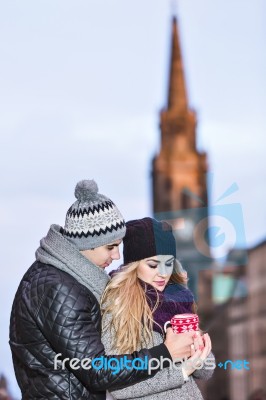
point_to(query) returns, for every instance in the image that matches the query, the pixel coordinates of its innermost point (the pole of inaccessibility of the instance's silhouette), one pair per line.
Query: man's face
(104, 255)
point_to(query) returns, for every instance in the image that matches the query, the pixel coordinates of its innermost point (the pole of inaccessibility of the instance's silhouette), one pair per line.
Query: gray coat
(165, 385)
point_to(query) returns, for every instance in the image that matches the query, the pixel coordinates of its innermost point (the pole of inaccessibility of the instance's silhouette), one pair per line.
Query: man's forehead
(115, 243)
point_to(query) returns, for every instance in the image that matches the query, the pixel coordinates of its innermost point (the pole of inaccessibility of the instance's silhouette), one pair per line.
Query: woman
(145, 293)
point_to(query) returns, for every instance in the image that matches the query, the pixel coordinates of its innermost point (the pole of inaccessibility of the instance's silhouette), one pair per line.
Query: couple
(56, 312)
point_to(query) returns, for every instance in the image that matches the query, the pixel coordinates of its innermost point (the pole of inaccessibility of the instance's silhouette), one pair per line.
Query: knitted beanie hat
(148, 237)
(93, 220)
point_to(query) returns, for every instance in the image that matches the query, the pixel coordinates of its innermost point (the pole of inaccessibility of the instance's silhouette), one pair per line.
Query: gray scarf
(57, 251)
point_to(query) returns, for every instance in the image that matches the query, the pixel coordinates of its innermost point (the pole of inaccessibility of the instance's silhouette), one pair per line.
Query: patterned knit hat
(93, 220)
(148, 237)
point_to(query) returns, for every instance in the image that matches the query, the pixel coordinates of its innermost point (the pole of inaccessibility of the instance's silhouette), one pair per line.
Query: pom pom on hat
(86, 189)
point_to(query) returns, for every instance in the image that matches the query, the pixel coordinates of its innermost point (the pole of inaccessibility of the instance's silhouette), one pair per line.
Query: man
(56, 321)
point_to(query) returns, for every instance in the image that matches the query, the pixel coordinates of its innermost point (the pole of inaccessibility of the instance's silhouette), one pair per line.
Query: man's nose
(115, 254)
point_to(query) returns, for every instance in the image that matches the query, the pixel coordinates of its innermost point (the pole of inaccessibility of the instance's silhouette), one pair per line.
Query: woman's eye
(152, 265)
(109, 248)
(169, 264)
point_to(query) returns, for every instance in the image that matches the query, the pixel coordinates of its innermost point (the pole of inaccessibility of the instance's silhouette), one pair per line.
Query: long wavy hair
(124, 301)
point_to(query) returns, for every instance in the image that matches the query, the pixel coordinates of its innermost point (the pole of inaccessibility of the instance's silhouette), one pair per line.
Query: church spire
(177, 97)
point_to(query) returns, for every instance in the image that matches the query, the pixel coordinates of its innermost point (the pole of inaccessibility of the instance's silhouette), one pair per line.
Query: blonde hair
(124, 299)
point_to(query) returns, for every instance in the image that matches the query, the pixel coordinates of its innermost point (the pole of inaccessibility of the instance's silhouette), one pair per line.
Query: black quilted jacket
(52, 313)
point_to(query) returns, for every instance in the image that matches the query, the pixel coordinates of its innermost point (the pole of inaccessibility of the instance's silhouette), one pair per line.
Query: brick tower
(179, 175)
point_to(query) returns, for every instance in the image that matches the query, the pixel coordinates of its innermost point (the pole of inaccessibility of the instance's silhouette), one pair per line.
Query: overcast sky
(82, 83)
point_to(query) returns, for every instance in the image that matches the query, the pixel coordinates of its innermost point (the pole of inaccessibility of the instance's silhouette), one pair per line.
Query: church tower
(179, 168)
(179, 172)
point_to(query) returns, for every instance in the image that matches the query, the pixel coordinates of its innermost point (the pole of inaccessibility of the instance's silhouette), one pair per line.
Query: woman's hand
(179, 346)
(200, 350)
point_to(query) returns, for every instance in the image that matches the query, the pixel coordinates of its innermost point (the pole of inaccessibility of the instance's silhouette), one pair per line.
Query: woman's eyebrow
(170, 259)
(156, 261)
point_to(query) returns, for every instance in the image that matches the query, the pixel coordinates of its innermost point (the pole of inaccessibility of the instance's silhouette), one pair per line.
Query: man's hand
(179, 345)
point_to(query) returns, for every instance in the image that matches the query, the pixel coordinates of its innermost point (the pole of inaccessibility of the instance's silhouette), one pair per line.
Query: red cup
(182, 323)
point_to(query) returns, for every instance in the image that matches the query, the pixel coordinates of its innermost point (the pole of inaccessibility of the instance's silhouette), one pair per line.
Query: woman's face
(156, 270)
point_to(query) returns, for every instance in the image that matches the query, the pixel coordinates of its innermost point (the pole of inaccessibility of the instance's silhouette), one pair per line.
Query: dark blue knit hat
(148, 237)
